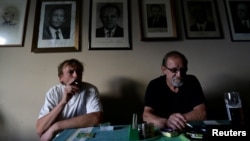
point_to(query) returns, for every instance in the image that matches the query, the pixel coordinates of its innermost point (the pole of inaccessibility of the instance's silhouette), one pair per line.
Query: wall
(121, 76)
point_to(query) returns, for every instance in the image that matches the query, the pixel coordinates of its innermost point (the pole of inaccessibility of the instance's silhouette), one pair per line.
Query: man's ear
(163, 69)
(60, 78)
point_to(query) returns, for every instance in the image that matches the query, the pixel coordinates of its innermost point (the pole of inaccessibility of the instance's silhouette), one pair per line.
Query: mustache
(177, 82)
(178, 79)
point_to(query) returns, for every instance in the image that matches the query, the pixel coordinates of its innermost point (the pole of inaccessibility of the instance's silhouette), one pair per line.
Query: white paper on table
(211, 122)
(107, 128)
(80, 130)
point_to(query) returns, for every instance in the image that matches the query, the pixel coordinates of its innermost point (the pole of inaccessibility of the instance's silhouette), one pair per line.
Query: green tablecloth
(120, 133)
(125, 133)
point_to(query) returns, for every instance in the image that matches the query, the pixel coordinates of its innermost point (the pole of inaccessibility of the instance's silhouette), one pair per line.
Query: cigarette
(74, 83)
(189, 125)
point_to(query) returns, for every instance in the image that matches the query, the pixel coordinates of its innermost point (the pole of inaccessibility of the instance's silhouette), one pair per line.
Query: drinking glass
(234, 107)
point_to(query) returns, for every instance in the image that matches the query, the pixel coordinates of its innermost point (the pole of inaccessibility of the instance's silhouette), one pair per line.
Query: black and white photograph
(109, 25)
(13, 20)
(58, 27)
(57, 22)
(201, 19)
(238, 13)
(157, 18)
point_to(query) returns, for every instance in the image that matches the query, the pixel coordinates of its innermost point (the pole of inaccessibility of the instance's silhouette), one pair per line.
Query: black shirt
(165, 102)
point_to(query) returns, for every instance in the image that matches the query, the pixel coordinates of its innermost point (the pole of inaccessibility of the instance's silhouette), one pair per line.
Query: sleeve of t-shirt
(93, 101)
(49, 103)
(148, 99)
(197, 92)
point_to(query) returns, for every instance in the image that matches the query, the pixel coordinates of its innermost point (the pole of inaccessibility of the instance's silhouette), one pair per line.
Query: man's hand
(176, 121)
(70, 90)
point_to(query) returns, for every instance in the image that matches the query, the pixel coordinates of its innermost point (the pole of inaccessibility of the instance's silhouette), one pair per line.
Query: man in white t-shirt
(70, 104)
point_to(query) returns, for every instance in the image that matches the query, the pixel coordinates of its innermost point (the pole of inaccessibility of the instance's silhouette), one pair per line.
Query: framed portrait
(57, 26)
(157, 19)
(201, 19)
(109, 25)
(238, 13)
(13, 20)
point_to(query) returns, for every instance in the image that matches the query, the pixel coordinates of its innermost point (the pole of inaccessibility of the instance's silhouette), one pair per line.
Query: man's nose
(75, 74)
(109, 18)
(180, 73)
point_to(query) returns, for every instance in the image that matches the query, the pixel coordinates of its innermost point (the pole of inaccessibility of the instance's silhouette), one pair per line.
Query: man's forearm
(48, 120)
(81, 121)
(198, 113)
(156, 120)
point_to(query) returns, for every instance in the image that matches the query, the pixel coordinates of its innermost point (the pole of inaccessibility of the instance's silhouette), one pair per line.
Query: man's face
(156, 11)
(9, 15)
(242, 11)
(69, 75)
(200, 15)
(58, 18)
(109, 17)
(175, 71)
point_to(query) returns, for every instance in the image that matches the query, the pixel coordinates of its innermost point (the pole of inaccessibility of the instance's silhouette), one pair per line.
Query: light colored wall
(221, 65)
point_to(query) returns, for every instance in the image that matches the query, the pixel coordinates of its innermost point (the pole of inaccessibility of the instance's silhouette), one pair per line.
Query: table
(120, 133)
(126, 133)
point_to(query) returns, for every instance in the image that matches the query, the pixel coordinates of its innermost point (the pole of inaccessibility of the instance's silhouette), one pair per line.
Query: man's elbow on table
(201, 112)
(39, 131)
(198, 113)
(95, 118)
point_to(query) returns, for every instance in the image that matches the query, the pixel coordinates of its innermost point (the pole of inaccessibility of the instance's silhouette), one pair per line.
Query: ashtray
(169, 132)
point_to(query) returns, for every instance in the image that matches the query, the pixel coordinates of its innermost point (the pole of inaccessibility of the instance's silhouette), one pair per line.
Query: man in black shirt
(175, 98)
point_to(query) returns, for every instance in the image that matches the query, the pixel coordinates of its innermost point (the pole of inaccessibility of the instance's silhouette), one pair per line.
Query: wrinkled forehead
(71, 67)
(58, 12)
(10, 10)
(109, 10)
(175, 60)
(242, 6)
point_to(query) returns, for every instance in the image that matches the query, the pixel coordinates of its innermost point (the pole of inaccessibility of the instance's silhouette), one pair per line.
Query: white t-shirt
(86, 101)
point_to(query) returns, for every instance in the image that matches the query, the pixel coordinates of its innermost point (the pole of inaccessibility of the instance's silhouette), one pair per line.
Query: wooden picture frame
(67, 17)
(201, 19)
(157, 19)
(119, 13)
(237, 9)
(13, 22)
